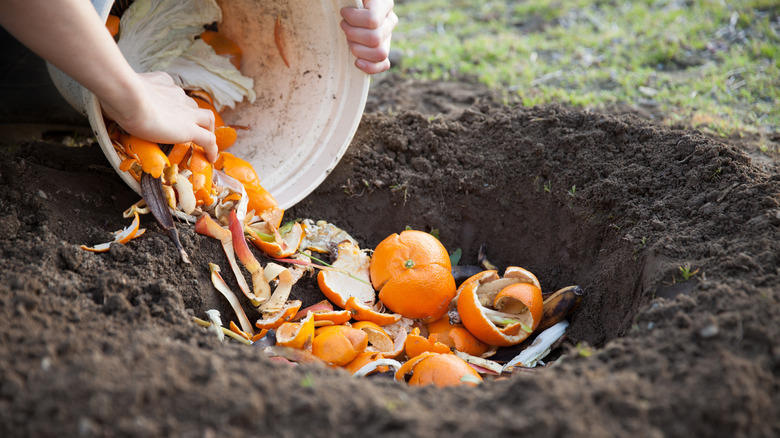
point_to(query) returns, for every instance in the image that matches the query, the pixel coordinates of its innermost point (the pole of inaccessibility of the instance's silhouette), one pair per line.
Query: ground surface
(102, 344)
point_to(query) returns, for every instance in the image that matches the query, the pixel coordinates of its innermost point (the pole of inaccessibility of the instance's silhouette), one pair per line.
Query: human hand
(162, 112)
(369, 32)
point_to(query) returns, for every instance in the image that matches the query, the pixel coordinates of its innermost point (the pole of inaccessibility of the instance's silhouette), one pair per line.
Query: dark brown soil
(102, 344)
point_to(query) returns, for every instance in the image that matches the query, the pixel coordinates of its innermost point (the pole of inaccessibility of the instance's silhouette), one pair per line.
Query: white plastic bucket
(304, 116)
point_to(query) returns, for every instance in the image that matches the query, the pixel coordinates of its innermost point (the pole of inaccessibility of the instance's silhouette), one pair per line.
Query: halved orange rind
(378, 339)
(437, 369)
(338, 345)
(499, 311)
(348, 278)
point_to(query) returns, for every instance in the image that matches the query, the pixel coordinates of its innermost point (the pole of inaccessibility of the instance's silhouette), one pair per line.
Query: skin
(150, 105)
(369, 31)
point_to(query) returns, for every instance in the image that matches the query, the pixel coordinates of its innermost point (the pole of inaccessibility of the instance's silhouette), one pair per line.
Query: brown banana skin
(559, 305)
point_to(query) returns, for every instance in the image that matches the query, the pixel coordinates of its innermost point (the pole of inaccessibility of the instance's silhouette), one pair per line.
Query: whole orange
(413, 275)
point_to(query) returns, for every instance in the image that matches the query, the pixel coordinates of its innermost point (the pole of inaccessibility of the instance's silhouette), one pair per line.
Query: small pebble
(708, 331)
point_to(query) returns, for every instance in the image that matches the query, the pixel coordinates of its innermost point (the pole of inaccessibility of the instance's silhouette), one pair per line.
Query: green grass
(714, 65)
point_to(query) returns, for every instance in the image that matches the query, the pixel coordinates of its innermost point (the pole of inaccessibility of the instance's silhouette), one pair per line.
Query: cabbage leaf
(162, 35)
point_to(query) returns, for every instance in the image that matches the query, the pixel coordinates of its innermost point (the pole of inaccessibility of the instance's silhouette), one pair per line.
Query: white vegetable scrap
(161, 35)
(540, 348)
(216, 323)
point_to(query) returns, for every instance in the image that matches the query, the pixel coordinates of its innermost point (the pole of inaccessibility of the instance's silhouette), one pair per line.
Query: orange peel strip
(128, 233)
(463, 341)
(234, 328)
(209, 227)
(279, 41)
(361, 312)
(283, 288)
(322, 306)
(261, 290)
(222, 287)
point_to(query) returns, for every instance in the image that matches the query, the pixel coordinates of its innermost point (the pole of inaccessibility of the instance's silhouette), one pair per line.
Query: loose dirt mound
(102, 344)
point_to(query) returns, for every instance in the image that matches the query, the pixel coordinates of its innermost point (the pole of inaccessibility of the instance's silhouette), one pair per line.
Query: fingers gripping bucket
(304, 116)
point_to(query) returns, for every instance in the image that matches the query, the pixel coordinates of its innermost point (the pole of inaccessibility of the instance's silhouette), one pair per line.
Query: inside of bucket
(309, 94)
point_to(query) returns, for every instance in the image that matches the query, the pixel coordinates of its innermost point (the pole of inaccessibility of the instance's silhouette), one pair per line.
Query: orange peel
(361, 312)
(261, 290)
(463, 341)
(223, 46)
(234, 328)
(148, 154)
(112, 24)
(438, 369)
(296, 334)
(130, 232)
(323, 311)
(348, 278)
(290, 241)
(499, 311)
(338, 345)
(226, 137)
(416, 344)
(363, 359)
(378, 339)
(274, 320)
(259, 199)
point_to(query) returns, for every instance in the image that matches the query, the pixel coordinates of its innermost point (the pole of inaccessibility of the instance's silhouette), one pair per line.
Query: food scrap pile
(397, 309)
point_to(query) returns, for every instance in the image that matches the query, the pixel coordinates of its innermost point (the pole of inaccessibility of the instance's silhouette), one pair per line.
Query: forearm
(70, 35)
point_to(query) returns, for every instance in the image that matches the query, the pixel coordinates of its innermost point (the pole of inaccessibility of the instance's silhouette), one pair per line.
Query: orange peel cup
(413, 274)
(438, 369)
(500, 311)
